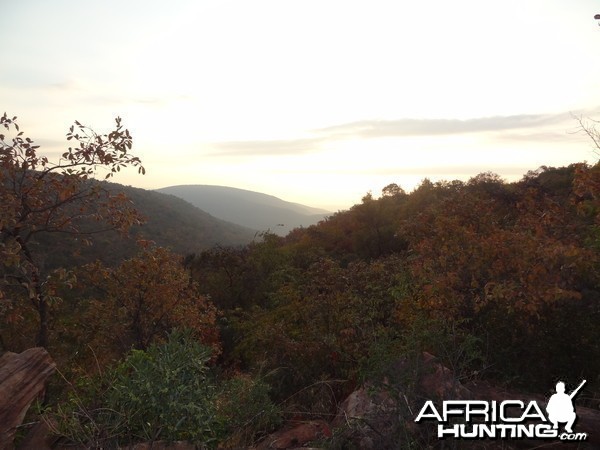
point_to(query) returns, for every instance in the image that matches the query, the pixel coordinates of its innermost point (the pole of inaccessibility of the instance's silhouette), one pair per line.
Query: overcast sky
(316, 102)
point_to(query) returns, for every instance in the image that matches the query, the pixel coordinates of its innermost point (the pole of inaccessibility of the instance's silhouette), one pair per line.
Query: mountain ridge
(250, 209)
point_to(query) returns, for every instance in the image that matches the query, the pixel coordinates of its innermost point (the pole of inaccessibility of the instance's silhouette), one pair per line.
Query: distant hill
(170, 222)
(260, 212)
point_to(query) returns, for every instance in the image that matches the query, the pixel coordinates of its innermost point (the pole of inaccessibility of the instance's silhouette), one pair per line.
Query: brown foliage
(140, 301)
(38, 196)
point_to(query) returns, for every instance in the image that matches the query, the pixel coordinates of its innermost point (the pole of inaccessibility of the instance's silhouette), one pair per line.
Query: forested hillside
(499, 280)
(166, 220)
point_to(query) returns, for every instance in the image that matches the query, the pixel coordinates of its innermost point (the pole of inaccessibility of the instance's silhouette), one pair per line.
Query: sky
(316, 102)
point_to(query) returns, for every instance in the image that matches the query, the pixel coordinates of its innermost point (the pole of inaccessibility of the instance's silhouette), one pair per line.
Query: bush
(165, 392)
(246, 410)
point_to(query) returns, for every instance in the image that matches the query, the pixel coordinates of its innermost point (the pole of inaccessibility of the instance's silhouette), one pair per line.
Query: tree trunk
(42, 337)
(37, 299)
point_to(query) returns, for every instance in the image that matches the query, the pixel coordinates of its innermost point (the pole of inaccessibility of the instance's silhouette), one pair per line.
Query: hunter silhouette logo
(508, 419)
(560, 407)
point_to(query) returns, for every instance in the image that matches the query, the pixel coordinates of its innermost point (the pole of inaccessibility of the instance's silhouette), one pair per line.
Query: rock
(362, 403)
(297, 436)
(40, 437)
(380, 416)
(23, 378)
(369, 419)
(439, 382)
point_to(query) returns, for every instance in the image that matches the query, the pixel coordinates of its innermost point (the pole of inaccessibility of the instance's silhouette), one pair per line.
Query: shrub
(165, 392)
(246, 410)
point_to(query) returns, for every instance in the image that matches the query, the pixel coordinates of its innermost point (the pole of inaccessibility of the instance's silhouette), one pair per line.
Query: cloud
(528, 127)
(266, 147)
(449, 171)
(435, 127)
(439, 171)
(566, 136)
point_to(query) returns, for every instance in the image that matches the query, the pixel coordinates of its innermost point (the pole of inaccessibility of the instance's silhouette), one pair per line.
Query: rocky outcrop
(23, 378)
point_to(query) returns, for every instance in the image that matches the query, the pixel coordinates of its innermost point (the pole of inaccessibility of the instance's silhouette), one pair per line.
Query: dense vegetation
(500, 280)
(513, 265)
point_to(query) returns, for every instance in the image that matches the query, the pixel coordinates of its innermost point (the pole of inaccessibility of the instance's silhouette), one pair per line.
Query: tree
(392, 190)
(38, 196)
(143, 299)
